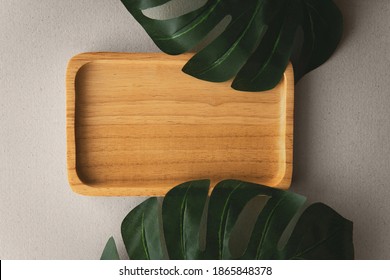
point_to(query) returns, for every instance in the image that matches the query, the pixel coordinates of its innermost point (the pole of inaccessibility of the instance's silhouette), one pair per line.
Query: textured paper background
(342, 127)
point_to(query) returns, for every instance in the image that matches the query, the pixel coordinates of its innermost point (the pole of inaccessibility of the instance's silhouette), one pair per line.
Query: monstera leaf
(110, 252)
(256, 45)
(319, 233)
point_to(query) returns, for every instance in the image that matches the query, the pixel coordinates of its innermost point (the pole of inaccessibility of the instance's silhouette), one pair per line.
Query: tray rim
(79, 60)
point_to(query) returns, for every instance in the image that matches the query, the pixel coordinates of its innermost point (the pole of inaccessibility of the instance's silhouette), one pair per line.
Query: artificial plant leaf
(256, 44)
(141, 231)
(271, 223)
(110, 251)
(225, 56)
(182, 213)
(227, 201)
(322, 30)
(320, 233)
(267, 64)
(180, 34)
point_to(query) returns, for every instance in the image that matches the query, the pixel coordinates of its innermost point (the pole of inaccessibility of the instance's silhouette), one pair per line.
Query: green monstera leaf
(256, 45)
(174, 230)
(110, 252)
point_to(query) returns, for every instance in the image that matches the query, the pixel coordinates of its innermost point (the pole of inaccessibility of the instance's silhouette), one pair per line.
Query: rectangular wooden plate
(137, 125)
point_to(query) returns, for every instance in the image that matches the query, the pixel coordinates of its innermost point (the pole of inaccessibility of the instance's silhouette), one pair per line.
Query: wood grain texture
(137, 125)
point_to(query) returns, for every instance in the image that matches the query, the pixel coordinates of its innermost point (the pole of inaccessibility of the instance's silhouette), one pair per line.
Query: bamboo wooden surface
(137, 125)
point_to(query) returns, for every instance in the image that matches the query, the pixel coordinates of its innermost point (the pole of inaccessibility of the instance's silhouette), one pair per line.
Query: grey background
(342, 126)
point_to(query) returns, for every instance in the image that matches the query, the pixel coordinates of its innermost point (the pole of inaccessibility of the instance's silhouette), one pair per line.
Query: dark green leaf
(320, 232)
(266, 66)
(182, 213)
(322, 27)
(224, 57)
(180, 34)
(271, 224)
(141, 231)
(110, 252)
(227, 201)
(256, 44)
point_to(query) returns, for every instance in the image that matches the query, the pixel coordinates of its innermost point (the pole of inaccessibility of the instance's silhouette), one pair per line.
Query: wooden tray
(137, 125)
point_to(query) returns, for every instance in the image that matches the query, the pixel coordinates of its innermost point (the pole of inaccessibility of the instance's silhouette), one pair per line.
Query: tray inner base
(138, 126)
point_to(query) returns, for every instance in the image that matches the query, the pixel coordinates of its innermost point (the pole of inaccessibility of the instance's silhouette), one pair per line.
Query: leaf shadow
(349, 20)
